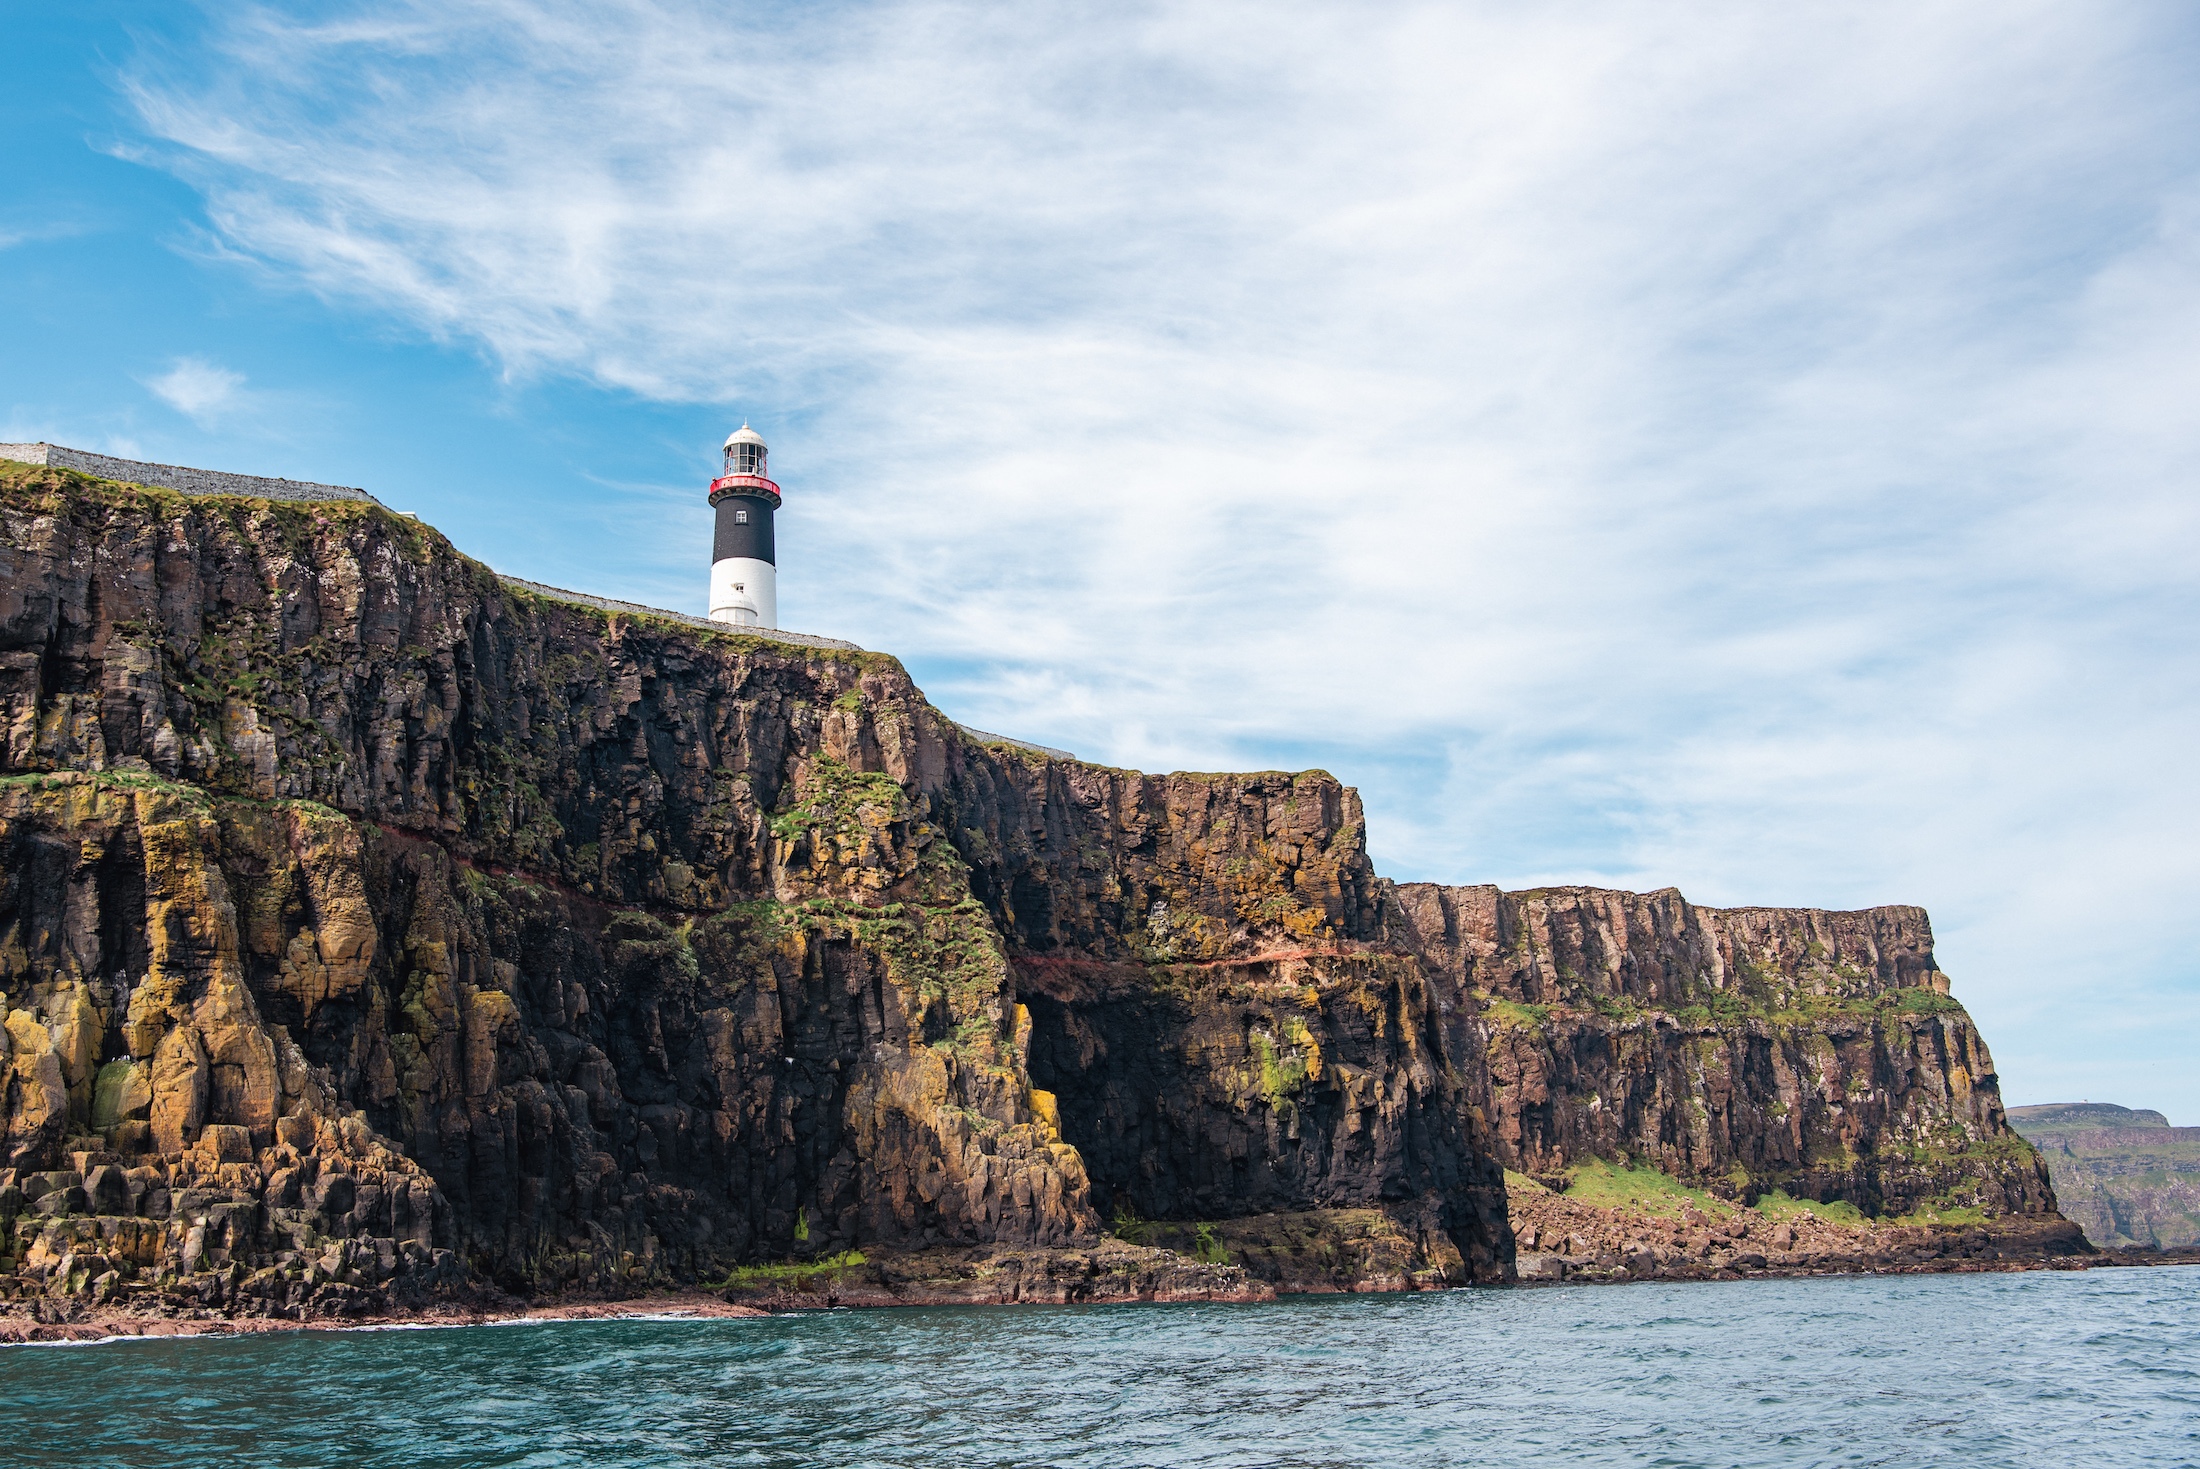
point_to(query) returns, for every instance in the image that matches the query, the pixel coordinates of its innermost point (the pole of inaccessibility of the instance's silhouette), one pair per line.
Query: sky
(1736, 447)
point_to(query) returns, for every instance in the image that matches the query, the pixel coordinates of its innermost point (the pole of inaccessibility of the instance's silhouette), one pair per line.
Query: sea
(2030, 1371)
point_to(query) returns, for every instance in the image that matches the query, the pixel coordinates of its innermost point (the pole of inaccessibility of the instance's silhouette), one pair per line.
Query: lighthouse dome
(745, 451)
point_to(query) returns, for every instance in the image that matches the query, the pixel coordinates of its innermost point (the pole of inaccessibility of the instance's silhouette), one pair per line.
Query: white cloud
(50, 229)
(197, 388)
(1741, 446)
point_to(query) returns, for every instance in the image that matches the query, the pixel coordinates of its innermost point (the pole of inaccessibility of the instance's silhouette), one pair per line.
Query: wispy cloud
(12, 235)
(197, 388)
(1748, 447)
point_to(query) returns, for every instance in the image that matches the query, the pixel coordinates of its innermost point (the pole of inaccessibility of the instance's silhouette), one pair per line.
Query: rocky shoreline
(108, 1323)
(1671, 1233)
(1008, 1278)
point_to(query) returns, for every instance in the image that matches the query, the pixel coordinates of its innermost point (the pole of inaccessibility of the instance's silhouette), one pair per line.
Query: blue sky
(1742, 448)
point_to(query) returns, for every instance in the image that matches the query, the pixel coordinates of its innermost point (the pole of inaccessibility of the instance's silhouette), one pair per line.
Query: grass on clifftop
(57, 490)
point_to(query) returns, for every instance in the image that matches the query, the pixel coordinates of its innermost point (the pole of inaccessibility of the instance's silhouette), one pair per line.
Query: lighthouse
(744, 571)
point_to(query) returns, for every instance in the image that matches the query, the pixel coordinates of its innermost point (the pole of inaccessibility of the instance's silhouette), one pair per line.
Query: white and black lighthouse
(744, 569)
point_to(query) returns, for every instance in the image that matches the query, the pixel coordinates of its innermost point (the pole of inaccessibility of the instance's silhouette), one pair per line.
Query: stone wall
(613, 604)
(177, 477)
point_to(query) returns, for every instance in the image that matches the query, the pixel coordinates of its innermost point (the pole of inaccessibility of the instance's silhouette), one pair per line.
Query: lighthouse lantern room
(744, 570)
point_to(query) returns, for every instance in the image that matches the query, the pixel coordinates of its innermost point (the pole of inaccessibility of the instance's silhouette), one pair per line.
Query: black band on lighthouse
(744, 530)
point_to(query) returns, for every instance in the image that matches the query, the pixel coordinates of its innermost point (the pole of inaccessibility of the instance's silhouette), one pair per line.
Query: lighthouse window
(740, 517)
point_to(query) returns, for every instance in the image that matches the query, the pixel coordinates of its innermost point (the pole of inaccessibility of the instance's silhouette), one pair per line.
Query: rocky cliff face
(1264, 1086)
(371, 929)
(1810, 1054)
(2125, 1176)
(367, 925)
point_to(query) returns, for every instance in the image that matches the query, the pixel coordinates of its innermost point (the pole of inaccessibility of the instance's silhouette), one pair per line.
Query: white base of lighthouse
(744, 592)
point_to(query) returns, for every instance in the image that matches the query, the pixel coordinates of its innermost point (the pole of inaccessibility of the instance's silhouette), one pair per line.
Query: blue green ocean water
(2030, 1370)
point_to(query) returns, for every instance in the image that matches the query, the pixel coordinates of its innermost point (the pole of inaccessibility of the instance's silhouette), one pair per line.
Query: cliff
(370, 924)
(2125, 1176)
(1811, 1054)
(372, 929)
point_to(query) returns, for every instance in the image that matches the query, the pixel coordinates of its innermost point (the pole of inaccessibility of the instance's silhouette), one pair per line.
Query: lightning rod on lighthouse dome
(744, 569)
